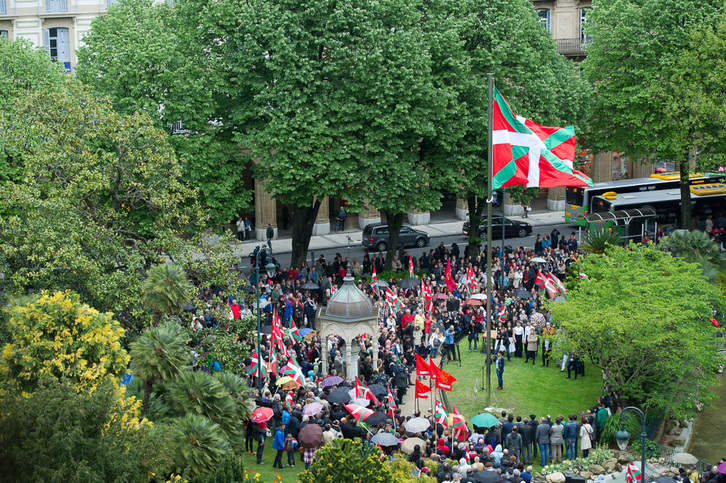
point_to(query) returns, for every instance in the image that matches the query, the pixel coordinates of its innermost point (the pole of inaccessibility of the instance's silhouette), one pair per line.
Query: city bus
(577, 200)
(661, 206)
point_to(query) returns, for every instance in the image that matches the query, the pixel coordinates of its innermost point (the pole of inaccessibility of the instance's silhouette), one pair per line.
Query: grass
(528, 389)
(268, 474)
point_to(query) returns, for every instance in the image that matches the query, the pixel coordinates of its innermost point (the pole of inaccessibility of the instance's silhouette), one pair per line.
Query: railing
(668, 454)
(571, 46)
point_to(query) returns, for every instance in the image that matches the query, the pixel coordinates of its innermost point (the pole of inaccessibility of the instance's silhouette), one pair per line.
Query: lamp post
(270, 268)
(622, 437)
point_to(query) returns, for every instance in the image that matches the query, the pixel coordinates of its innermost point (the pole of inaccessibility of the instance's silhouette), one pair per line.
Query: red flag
(374, 281)
(450, 284)
(471, 280)
(440, 415)
(442, 379)
(422, 390)
(550, 286)
(362, 391)
(390, 399)
(560, 286)
(410, 266)
(422, 367)
(458, 423)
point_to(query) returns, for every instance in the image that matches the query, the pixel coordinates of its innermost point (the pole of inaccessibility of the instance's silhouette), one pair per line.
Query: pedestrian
(500, 369)
(240, 229)
(270, 233)
(532, 345)
(570, 435)
(556, 439)
(543, 440)
(290, 445)
(261, 430)
(308, 456)
(278, 443)
(514, 442)
(586, 436)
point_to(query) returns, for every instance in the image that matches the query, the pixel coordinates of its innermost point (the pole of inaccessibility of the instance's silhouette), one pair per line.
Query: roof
(349, 303)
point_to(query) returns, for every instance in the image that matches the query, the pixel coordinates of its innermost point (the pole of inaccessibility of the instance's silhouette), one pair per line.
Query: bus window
(574, 196)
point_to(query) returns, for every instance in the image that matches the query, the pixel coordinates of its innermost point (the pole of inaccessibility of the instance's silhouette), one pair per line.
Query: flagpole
(490, 176)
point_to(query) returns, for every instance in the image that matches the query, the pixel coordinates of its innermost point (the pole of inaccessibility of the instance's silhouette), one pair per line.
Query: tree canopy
(642, 316)
(632, 62)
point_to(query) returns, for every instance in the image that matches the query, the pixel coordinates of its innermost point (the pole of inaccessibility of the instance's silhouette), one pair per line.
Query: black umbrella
(266, 330)
(522, 294)
(382, 285)
(376, 418)
(378, 390)
(310, 286)
(409, 282)
(310, 436)
(248, 289)
(485, 476)
(384, 439)
(339, 396)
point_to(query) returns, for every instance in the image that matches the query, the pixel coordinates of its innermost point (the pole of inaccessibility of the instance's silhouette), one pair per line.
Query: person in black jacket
(527, 433)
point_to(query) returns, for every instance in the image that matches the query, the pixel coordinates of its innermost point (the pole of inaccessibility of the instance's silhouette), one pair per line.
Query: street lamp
(622, 437)
(270, 268)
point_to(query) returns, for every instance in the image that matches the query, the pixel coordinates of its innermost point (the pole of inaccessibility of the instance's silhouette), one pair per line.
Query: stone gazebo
(349, 314)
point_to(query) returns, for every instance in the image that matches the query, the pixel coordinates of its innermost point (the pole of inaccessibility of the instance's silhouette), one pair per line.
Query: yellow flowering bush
(57, 337)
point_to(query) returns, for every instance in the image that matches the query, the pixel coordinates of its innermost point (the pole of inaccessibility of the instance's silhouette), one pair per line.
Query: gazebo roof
(349, 304)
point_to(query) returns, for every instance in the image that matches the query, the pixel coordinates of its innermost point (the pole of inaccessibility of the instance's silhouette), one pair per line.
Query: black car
(375, 237)
(512, 228)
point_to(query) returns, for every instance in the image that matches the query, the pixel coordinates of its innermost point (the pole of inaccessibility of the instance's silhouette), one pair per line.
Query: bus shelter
(630, 224)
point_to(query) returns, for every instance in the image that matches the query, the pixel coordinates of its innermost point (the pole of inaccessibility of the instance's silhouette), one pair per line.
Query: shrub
(606, 434)
(349, 461)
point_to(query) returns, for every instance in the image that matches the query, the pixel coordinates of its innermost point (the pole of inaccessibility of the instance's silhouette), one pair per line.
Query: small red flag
(450, 284)
(442, 379)
(422, 367)
(422, 390)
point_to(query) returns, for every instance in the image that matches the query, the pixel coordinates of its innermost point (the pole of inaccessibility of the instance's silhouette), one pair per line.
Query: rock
(672, 427)
(624, 458)
(618, 467)
(586, 474)
(556, 477)
(677, 442)
(539, 478)
(597, 470)
(609, 465)
(673, 470)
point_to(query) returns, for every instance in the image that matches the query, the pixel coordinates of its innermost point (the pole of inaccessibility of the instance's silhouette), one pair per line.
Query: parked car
(375, 236)
(512, 228)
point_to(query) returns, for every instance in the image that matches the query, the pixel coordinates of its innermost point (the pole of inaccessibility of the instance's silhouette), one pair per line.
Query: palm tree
(697, 247)
(166, 288)
(596, 241)
(159, 354)
(238, 390)
(201, 444)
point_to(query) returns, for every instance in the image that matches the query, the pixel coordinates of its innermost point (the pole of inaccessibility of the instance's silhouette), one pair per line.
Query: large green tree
(632, 61)
(149, 57)
(101, 199)
(642, 317)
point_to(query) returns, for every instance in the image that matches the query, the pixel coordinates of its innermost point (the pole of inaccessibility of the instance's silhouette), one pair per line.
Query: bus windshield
(575, 196)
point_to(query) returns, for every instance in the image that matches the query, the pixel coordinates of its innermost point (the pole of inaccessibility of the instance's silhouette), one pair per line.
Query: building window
(4, 33)
(3, 11)
(53, 6)
(545, 17)
(57, 44)
(584, 39)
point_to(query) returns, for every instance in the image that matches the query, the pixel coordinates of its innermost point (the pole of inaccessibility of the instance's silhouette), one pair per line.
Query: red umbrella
(714, 322)
(260, 415)
(441, 296)
(472, 302)
(358, 412)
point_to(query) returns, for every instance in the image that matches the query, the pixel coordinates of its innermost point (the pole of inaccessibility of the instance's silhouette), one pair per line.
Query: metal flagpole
(490, 174)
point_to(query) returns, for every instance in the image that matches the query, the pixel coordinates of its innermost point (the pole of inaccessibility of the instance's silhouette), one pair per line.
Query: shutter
(46, 35)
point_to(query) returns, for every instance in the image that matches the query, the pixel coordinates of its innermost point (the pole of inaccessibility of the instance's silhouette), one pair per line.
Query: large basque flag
(525, 153)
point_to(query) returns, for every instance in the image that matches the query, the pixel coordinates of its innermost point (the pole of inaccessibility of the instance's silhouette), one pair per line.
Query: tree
(201, 444)
(697, 247)
(642, 317)
(597, 241)
(152, 58)
(159, 354)
(100, 202)
(59, 434)
(56, 337)
(25, 68)
(166, 288)
(347, 460)
(632, 61)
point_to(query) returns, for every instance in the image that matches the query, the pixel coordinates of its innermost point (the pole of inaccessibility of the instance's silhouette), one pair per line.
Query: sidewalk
(436, 229)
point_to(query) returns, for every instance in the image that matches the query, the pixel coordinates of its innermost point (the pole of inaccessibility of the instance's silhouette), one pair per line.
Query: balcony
(571, 46)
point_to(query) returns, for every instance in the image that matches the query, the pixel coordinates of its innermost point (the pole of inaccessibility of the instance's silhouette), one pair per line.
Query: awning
(620, 217)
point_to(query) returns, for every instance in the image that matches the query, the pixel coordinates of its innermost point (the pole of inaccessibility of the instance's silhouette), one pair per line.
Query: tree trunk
(394, 222)
(148, 387)
(685, 195)
(472, 249)
(302, 230)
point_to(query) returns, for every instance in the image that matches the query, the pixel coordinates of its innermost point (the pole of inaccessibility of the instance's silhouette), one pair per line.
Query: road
(356, 250)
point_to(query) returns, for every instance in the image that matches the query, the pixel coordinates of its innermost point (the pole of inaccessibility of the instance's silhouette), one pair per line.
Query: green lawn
(527, 390)
(269, 474)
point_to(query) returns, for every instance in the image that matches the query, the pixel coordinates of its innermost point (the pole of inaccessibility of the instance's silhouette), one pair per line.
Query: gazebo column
(352, 363)
(324, 355)
(375, 351)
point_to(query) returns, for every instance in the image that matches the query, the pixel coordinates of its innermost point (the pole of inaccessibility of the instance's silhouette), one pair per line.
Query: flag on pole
(362, 392)
(392, 299)
(422, 367)
(374, 281)
(502, 314)
(560, 286)
(470, 279)
(273, 366)
(410, 266)
(440, 415)
(539, 280)
(422, 390)
(276, 331)
(292, 369)
(525, 153)
(390, 399)
(257, 365)
(294, 332)
(583, 275)
(442, 379)
(359, 412)
(450, 284)
(632, 474)
(458, 424)
(550, 286)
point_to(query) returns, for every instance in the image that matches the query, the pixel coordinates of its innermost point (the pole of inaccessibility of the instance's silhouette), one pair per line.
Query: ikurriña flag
(526, 153)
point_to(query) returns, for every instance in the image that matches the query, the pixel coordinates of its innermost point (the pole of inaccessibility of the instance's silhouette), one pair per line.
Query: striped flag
(458, 424)
(257, 365)
(583, 275)
(374, 281)
(392, 299)
(294, 332)
(550, 286)
(440, 415)
(560, 286)
(362, 392)
(502, 314)
(632, 474)
(292, 369)
(410, 266)
(471, 280)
